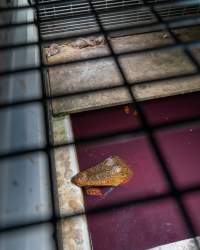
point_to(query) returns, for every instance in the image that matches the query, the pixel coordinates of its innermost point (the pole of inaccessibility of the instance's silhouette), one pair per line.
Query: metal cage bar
(146, 128)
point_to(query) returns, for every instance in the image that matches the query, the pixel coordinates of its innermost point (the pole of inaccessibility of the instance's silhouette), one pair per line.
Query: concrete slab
(74, 229)
(103, 72)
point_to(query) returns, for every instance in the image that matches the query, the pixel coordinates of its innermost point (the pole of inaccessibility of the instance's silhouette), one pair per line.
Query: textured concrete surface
(74, 229)
(103, 72)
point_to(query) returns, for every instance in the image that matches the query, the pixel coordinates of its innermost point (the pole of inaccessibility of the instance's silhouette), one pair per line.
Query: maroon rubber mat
(153, 223)
(137, 227)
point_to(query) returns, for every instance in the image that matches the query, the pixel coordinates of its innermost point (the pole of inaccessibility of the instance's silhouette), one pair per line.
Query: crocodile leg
(93, 191)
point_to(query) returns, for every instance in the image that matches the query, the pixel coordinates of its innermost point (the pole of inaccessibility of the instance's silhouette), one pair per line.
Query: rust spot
(127, 109)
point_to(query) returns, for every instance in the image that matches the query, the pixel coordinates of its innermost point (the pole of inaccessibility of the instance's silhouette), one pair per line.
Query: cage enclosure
(112, 85)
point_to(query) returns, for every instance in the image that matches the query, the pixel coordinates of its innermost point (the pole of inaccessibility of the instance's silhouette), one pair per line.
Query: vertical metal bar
(47, 133)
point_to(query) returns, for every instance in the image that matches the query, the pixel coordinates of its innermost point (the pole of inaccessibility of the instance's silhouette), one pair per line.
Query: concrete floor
(137, 67)
(103, 73)
(180, 148)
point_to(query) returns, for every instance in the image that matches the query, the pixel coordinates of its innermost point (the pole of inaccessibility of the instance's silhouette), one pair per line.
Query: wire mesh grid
(112, 14)
(146, 128)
